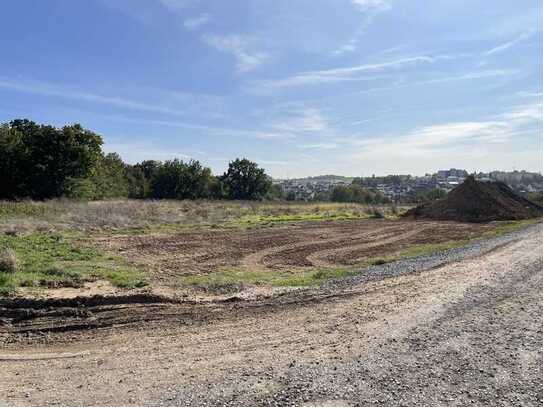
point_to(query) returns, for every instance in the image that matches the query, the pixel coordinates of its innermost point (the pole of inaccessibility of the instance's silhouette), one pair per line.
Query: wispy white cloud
(257, 133)
(240, 47)
(400, 84)
(47, 89)
(510, 44)
(526, 113)
(526, 94)
(370, 9)
(194, 23)
(175, 5)
(319, 146)
(308, 120)
(353, 73)
(453, 140)
(366, 5)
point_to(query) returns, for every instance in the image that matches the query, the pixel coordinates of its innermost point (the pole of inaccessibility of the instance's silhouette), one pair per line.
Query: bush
(376, 213)
(356, 194)
(8, 261)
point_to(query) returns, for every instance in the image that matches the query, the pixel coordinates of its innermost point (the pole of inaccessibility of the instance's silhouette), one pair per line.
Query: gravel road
(455, 329)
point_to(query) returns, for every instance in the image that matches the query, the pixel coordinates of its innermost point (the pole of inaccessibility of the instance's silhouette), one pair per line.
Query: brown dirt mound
(475, 201)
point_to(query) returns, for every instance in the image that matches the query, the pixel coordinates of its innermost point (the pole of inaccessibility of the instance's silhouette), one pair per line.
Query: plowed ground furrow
(215, 254)
(295, 254)
(352, 254)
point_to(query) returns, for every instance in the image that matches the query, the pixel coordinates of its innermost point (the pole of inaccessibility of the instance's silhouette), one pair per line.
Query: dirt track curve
(467, 333)
(282, 247)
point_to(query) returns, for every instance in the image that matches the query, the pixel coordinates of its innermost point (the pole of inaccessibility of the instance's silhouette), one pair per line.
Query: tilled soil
(290, 247)
(464, 333)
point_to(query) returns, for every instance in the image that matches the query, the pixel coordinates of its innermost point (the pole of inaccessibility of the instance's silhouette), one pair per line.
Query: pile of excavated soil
(475, 201)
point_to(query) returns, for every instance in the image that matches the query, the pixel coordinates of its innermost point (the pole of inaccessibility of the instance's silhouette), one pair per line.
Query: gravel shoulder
(462, 327)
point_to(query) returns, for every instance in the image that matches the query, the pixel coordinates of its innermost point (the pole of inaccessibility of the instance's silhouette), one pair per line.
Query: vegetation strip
(52, 260)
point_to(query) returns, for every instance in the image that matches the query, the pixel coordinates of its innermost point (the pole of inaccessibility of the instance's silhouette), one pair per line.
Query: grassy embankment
(49, 239)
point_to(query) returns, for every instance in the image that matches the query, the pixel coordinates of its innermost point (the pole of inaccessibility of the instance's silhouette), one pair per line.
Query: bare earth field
(465, 333)
(290, 248)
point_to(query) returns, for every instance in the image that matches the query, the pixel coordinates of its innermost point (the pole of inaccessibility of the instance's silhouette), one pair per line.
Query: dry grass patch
(138, 216)
(9, 263)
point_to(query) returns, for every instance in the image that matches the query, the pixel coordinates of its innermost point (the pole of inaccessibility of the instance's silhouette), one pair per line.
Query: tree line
(39, 161)
(43, 162)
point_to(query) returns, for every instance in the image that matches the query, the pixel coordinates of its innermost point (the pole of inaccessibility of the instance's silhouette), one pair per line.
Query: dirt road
(467, 333)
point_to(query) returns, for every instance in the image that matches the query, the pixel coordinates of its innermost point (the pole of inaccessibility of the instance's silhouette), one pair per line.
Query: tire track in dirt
(319, 259)
(18, 357)
(255, 261)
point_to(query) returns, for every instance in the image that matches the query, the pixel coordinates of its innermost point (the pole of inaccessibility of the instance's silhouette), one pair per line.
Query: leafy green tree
(341, 193)
(149, 168)
(110, 178)
(138, 185)
(37, 160)
(81, 189)
(216, 188)
(245, 180)
(178, 180)
(140, 177)
(276, 192)
(13, 175)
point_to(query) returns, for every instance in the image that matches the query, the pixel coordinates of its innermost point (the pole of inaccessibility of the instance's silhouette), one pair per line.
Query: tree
(341, 193)
(140, 177)
(276, 192)
(138, 187)
(245, 180)
(110, 177)
(37, 160)
(13, 175)
(178, 180)
(82, 189)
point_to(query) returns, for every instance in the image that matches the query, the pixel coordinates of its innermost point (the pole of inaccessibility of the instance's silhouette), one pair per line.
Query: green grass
(56, 260)
(249, 220)
(254, 221)
(243, 223)
(235, 278)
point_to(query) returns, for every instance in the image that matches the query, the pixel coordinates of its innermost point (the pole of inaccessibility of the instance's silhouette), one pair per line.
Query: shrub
(376, 213)
(8, 261)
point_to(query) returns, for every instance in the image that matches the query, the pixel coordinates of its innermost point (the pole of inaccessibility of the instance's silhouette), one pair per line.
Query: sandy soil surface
(467, 333)
(290, 247)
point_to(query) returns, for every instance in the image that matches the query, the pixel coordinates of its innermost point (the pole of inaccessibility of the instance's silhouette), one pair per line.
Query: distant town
(405, 188)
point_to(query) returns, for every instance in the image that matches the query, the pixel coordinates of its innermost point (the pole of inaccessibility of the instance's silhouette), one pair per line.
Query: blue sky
(304, 87)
